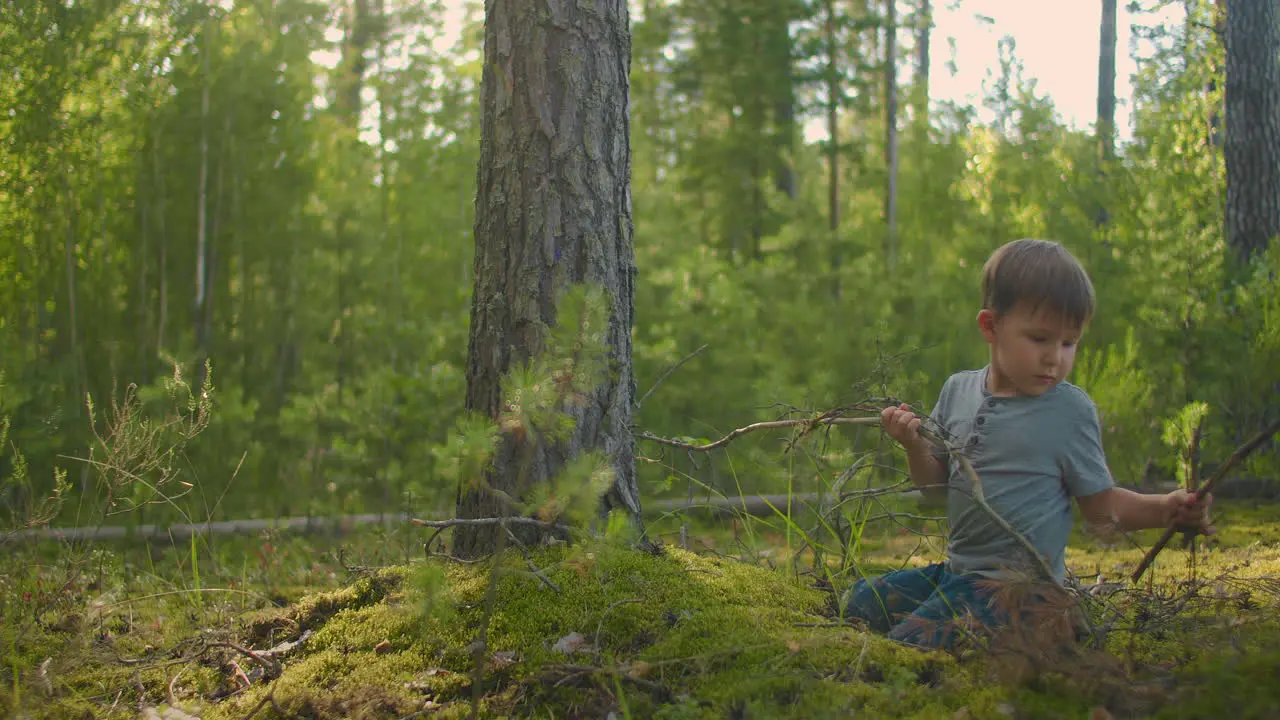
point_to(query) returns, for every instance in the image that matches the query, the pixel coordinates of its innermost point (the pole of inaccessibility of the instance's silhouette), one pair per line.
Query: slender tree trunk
(1219, 14)
(834, 95)
(891, 134)
(1106, 123)
(784, 107)
(923, 38)
(243, 296)
(205, 319)
(1252, 150)
(143, 306)
(162, 318)
(1107, 80)
(553, 208)
(73, 318)
(202, 201)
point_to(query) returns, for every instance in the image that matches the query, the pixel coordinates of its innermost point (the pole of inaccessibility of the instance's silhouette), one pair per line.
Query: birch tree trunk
(1252, 143)
(553, 208)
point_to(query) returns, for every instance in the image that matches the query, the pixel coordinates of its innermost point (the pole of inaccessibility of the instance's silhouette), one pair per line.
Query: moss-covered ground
(726, 627)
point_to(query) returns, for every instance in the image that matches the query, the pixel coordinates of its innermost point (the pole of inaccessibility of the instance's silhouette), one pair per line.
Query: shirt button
(991, 403)
(973, 440)
(981, 420)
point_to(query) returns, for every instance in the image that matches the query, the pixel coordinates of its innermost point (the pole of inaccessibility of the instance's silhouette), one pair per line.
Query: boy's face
(1030, 351)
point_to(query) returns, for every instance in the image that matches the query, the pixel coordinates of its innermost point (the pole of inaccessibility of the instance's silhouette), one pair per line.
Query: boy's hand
(1186, 514)
(904, 426)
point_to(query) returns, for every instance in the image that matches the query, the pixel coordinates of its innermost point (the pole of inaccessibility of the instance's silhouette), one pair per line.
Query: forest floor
(365, 626)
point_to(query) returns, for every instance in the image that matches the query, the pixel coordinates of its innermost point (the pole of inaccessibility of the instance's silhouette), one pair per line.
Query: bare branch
(532, 568)
(455, 522)
(1240, 454)
(767, 425)
(667, 374)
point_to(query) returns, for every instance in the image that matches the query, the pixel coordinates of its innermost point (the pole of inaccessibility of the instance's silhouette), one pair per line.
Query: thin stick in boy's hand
(1240, 454)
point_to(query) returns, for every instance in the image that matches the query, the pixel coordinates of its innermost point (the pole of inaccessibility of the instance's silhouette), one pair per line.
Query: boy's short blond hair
(1040, 273)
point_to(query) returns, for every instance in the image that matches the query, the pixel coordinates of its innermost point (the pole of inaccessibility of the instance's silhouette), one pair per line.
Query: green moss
(672, 635)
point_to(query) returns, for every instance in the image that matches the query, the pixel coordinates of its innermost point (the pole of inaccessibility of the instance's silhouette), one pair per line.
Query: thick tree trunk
(891, 134)
(553, 208)
(1252, 149)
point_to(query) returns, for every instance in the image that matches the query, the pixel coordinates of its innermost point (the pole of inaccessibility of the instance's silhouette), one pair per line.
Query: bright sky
(1058, 48)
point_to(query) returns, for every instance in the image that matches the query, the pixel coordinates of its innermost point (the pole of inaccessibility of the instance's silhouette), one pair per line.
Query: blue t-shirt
(1033, 455)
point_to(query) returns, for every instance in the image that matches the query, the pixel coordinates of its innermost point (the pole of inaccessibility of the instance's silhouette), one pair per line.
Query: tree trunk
(1107, 80)
(834, 94)
(162, 319)
(891, 134)
(202, 203)
(923, 38)
(1106, 123)
(553, 208)
(1252, 149)
(780, 48)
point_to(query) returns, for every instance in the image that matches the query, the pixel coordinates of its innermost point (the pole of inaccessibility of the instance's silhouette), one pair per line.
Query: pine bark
(1252, 143)
(553, 208)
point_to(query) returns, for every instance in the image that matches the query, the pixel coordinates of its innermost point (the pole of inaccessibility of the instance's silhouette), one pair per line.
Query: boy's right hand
(903, 426)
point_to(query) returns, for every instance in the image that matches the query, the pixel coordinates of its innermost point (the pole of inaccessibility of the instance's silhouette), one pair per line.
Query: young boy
(1035, 443)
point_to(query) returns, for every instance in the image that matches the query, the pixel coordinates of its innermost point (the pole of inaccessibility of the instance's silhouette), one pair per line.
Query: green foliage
(338, 266)
(1119, 383)
(1180, 432)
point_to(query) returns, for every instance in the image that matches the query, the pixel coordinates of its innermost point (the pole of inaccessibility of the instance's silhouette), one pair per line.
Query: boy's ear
(987, 324)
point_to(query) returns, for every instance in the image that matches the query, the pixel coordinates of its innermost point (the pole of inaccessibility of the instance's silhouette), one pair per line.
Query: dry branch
(1240, 454)
(767, 425)
(455, 522)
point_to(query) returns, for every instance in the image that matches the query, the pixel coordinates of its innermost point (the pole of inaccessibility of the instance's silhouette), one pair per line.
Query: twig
(269, 697)
(981, 501)
(287, 646)
(927, 430)
(480, 645)
(667, 374)
(455, 522)
(532, 567)
(173, 700)
(767, 425)
(605, 614)
(268, 663)
(1240, 454)
(625, 672)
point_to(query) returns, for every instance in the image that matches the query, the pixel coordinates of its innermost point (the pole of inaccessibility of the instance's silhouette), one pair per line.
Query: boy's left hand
(1183, 511)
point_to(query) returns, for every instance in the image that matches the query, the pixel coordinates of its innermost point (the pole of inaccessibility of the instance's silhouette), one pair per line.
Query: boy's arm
(925, 463)
(1129, 510)
(928, 472)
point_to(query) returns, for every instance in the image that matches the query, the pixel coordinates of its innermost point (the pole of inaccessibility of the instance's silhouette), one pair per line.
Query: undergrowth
(671, 634)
